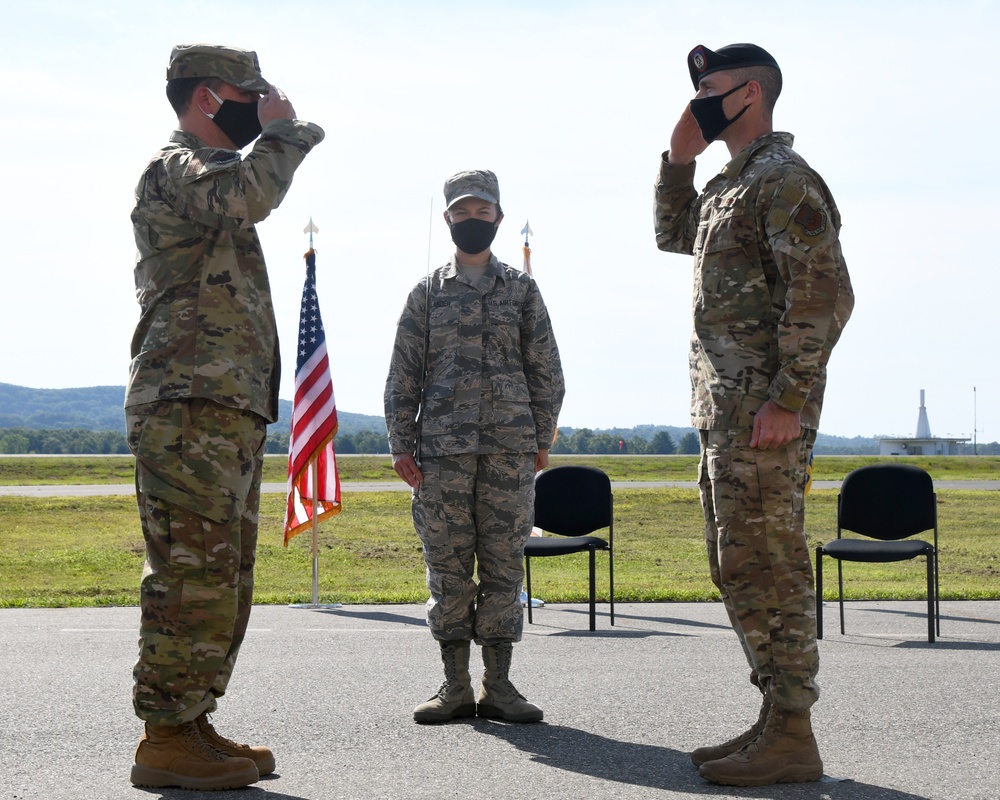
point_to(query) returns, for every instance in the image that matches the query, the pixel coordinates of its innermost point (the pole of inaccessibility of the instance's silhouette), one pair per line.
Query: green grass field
(40, 470)
(88, 551)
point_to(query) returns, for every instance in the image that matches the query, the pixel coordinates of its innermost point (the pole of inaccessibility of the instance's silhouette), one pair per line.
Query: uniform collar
(188, 139)
(733, 169)
(493, 270)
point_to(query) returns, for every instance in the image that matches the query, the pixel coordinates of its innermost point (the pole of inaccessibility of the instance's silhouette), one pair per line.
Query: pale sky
(571, 104)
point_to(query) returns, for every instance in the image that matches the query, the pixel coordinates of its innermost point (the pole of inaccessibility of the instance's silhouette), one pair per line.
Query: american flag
(311, 459)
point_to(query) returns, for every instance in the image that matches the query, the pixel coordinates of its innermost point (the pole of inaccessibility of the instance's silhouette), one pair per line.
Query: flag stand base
(315, 605)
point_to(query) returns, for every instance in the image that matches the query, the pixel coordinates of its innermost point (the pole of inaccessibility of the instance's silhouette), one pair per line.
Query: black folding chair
(887, 503)
(572, 501)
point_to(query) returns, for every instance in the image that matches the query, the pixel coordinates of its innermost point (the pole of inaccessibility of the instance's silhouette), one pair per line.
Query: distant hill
(99, 408)
(825, 443)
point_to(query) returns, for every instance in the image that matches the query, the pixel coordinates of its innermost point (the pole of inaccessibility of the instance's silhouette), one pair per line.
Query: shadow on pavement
(637, 618)
(373, 616)
(615, 633)
(920, 613)
(943, 645)
(257, 791)
(652, 766)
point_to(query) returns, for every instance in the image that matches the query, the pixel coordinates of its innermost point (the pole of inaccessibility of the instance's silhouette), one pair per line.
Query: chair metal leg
(840, 584)
(611, 579)
(930, 597)
(527, 581)
(819, 592)
(593, 589)
(937, 593)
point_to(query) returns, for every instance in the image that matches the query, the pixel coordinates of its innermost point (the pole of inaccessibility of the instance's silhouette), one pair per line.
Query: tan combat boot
(454, 698)
(785, 752)
(498, 699)
(704, 754)
(261, 756)
(179, 755)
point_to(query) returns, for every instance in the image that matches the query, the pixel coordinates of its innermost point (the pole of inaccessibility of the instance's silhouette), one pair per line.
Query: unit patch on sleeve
(811, 220)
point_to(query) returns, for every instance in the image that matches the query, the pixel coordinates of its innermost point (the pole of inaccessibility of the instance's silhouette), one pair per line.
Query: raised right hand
(274, 105)
(686, 142)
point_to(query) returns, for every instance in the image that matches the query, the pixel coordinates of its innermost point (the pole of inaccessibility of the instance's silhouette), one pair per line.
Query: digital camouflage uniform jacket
(494, 379)
(771, 289)
(207, 327)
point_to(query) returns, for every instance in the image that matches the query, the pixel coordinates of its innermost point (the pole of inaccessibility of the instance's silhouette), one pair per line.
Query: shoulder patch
(811, 220)
(224, 156)
(205, 160)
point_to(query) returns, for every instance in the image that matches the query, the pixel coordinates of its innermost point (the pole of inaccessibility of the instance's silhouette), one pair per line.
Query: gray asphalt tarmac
(332, 690)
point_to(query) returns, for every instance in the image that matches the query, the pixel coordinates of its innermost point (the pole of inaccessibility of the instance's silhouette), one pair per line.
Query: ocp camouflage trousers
(473, 514)
(198, 473)
(754, 506)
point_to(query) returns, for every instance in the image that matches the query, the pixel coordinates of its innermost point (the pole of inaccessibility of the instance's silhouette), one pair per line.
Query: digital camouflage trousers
(473, 514)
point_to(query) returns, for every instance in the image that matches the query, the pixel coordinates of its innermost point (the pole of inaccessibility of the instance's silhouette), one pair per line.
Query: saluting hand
(686, 142)
(274, 105)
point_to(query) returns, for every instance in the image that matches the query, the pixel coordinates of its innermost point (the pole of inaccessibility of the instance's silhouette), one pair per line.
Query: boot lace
(209, 728)
(752, 733)
(196, 742)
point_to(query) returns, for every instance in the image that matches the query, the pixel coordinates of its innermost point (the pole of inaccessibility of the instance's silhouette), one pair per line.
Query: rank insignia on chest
(811, 220)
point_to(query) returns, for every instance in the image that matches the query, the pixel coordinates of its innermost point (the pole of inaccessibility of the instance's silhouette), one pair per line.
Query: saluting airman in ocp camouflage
(771, 297)
(474, 391)
(203, 385)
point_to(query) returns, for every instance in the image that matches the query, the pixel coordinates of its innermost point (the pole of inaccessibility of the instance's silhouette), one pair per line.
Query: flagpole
(526, 230)
(315, 491)
(317, 506)
(315, 527)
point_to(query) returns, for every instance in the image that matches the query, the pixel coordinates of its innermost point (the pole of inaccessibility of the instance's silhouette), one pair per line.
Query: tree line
(78, 441)
(61, 441)
(582, 441)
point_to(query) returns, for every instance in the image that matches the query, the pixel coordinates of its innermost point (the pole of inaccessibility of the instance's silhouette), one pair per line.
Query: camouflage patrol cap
(230, 64)
(702, 61)
(479, 183)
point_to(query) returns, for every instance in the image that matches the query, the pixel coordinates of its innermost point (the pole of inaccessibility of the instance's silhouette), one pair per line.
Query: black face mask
(473, 235)
(710, 117)
(237, 120)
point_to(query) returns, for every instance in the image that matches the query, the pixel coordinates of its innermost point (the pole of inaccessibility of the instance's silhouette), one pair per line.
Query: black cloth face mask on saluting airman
(237, 120)
(708, 113)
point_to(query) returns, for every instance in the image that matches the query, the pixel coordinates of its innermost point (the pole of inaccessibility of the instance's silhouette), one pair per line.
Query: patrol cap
(230, 64)
(702, 61)
(479, 183)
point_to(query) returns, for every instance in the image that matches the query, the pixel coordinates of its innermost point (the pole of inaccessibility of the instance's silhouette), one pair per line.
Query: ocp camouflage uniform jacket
(207, 327)
(771, 289)
(494, 380)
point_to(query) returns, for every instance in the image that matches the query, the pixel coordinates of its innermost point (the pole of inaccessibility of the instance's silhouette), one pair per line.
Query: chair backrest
(887, 501)
(573, 500)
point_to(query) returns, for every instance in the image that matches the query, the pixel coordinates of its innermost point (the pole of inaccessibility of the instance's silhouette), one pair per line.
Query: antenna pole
(975, 450)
